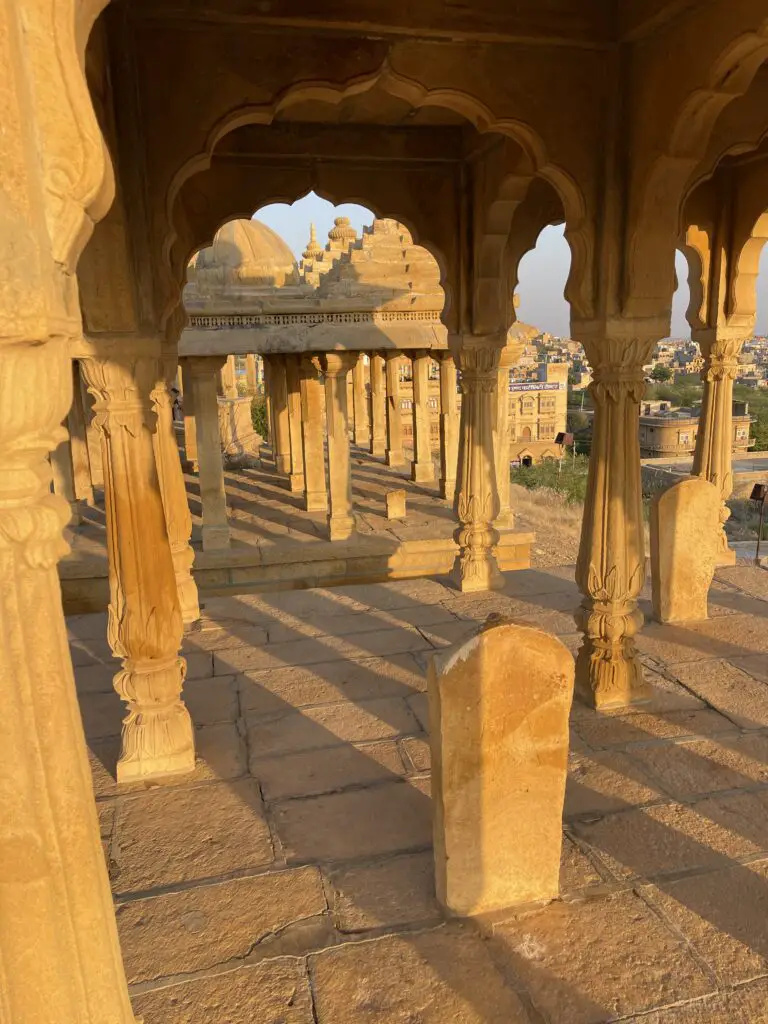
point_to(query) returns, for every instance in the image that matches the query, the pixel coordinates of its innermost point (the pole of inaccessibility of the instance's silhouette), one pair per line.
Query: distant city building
(537, 414)
(666, 432)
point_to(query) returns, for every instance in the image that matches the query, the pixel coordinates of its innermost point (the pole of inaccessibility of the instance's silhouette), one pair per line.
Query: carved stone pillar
(477, 501)
(394, 451)
(335, 366)
(203, 371)
(174, 495)
(55, 896)
(145, 625)
(422, 468)
(449, 426)
(313, 432)
(190, 426)
(610, 570)
(92, 438)
(251, 374)
(281, 442)
(360, 401)
(509, 357)
(378, 444)
(713, 459)
(296, 476)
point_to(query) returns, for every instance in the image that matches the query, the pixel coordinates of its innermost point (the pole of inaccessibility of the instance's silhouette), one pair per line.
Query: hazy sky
(543, 271)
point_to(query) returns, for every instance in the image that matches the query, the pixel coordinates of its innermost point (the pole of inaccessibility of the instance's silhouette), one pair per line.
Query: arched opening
(273, 295)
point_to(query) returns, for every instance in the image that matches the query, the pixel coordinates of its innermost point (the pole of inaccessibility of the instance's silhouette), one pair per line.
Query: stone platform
(277, 544)
(290, 878)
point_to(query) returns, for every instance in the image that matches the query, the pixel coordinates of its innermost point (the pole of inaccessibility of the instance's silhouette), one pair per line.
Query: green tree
(259, 416)
(661, 374)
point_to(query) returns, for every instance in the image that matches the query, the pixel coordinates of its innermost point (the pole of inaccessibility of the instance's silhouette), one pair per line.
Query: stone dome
(244, 252)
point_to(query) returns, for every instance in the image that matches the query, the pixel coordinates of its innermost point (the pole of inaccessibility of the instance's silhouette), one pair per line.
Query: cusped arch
(491, 239)
(663, 193)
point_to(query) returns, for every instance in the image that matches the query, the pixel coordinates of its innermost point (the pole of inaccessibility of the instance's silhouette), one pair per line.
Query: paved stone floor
(289, 879)
(262, 511)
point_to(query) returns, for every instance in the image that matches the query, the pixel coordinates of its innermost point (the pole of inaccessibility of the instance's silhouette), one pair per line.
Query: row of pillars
(304, 392)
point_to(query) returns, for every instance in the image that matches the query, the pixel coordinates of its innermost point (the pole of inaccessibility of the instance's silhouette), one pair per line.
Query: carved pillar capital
(335, 364)
(122, 391)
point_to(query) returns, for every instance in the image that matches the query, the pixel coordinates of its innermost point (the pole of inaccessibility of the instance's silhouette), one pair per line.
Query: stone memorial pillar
(394, 451)
(499, 707)
(203, 371)
(422, 468)
(684, 549)
(335, 366)
(145, 624)
(378, 444)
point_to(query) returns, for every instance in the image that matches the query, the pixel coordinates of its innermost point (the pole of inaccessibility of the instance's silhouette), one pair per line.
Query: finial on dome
(313, 246)
(342, 234)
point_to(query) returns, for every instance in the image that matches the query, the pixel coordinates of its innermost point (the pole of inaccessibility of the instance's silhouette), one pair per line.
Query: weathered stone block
(396, 504)
(685, 527)
(499, 709)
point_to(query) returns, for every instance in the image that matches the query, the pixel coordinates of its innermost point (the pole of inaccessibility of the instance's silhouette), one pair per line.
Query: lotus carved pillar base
(145, 624)
(477, 500)
(610, 570)
(713, 459)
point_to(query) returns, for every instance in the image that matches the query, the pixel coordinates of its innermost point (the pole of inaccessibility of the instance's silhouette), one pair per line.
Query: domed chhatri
(342, 234)
(244, 252)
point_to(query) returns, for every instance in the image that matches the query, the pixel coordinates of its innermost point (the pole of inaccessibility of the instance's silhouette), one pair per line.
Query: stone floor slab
(313, 772)
(328, 725)
(396, 891)
(604, 781)
(391, 818)
(203, 832)
(736, 694)
(589, 961)
(266, 993)
(689, 769)
(431, 978)
(317, 650)
(671, 838)
(723, 915)
(279, 690)
(214, 924)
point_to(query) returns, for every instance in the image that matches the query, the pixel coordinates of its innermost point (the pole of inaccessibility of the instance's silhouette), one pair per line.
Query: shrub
(259, 416)
(567, 477)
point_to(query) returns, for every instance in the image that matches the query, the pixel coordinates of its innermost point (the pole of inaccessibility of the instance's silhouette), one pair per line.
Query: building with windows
(537, 414)
(666, 432)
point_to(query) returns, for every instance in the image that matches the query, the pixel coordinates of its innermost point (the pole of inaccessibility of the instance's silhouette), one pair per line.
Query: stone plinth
(396, 504)
(499, 709)
(685, 546)
(239, 441)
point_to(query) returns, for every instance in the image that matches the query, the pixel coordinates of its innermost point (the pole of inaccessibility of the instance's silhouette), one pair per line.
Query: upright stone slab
(685, 545)
(499, 708)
